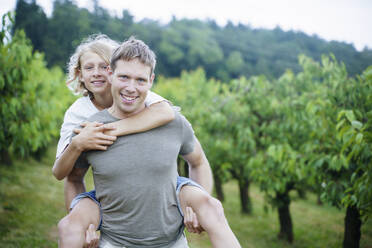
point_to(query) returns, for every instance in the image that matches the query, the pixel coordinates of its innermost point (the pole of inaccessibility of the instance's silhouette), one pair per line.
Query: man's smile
(128, 99)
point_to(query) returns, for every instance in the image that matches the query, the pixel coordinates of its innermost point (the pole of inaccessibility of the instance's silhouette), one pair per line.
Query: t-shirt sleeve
(188, 137)
(152, 98)
(82, 161)
(70, 121)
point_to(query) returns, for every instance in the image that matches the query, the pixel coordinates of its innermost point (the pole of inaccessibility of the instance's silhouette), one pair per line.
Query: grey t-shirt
(135, 181)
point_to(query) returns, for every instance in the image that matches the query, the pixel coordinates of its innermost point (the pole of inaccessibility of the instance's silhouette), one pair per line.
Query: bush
(32, 97)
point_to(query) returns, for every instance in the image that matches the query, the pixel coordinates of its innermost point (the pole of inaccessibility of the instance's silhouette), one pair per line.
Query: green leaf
(359, 138)
(340, 124)
(350, 115)
(356, 124)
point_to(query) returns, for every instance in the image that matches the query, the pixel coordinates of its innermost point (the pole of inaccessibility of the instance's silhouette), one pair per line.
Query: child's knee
(68, 225)
(214, 207)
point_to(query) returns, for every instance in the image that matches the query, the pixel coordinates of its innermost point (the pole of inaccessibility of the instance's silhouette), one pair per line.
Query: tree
(235, 63)
(340, 150)
(31, 18)
(355, 131)
(32, 98)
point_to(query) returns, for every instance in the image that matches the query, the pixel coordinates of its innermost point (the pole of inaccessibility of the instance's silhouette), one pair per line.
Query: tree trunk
(352, 232)
(218, 188)
(301, 194)
(285, 220)
(245, 200)
(39, 153)
(5, 158)
(319, 201)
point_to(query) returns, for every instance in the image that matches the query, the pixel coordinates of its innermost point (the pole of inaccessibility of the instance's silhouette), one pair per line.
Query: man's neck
(117, 113)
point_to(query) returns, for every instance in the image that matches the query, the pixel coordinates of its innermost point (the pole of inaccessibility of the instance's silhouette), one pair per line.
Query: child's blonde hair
(97, 43)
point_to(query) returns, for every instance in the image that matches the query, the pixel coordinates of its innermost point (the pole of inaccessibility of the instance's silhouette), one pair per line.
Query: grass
(31, 203)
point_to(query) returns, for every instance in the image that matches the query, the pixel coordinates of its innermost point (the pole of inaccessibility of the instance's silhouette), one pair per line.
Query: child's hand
(191, 221)
(91, 137)
(91, 237)
(110, 129)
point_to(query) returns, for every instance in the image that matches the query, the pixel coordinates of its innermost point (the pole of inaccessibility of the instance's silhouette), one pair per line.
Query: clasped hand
(92, 136)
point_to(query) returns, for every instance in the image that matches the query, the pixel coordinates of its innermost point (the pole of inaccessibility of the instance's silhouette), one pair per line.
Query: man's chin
(128, 110)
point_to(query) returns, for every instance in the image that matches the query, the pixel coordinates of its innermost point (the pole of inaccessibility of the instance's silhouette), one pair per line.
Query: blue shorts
(181, 181)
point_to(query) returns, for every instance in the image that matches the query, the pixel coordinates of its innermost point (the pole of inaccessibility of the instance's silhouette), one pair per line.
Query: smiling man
(131, 80)
(136, 177)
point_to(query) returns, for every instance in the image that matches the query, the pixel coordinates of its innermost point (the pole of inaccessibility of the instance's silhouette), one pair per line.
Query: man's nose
(130, 86)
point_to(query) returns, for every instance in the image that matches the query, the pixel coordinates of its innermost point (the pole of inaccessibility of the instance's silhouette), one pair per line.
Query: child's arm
(91, 137)
(155, 115)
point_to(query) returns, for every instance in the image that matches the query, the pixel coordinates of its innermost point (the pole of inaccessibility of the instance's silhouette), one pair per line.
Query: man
(135, 178)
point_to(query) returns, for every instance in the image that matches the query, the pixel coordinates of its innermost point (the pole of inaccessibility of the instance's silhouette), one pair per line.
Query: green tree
(32, 98)
(31, 18)
(235, 63)
(338, 151)
(355, 133)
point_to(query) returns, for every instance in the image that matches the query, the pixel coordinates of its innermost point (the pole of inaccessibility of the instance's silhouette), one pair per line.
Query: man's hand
(92, 137)
(91, 237)
(191, 221)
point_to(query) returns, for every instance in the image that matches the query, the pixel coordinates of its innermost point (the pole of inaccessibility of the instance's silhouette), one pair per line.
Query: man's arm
(155, 115)
(199, 169)
(74, 185)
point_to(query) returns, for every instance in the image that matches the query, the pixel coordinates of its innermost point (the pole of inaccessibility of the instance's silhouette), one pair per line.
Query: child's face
(94, 73)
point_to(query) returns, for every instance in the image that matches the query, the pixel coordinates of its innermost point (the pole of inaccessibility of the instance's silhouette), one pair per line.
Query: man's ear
(152, 79)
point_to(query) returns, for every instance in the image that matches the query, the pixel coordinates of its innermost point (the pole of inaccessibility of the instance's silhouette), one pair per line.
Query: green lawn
(31, 203)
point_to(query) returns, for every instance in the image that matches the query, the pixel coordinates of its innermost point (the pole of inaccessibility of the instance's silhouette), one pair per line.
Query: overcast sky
(341, 20)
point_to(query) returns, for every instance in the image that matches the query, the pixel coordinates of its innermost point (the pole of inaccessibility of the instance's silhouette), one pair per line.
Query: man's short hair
(134, 49)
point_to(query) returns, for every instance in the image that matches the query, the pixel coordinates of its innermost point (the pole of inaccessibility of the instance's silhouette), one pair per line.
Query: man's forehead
(133, 66)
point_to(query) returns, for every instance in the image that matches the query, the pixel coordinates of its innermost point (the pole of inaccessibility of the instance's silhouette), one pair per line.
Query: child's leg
(72, 228)
(210, 214)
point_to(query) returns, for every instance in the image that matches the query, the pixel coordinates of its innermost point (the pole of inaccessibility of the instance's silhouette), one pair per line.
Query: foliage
(305, 130)
(33, 98)
(355, 132)
(182, 44)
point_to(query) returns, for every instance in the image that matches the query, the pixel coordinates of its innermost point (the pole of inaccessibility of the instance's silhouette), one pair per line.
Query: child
(89, 66)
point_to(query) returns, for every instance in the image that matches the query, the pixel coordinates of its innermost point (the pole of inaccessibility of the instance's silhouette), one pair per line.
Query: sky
(349, 21)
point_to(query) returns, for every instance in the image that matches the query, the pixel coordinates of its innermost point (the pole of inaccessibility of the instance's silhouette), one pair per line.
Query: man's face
(130, 83)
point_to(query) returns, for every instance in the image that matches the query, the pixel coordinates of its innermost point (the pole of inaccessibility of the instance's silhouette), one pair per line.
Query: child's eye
(104, 67)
